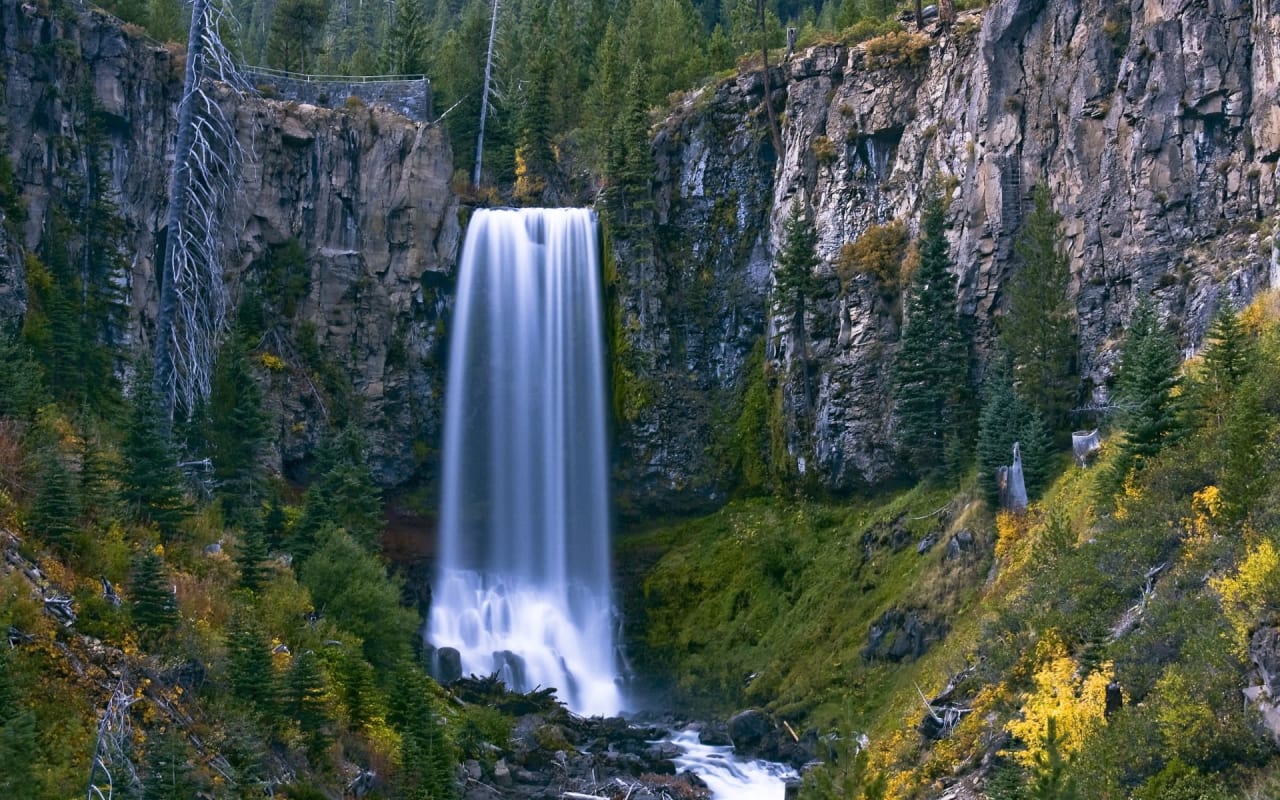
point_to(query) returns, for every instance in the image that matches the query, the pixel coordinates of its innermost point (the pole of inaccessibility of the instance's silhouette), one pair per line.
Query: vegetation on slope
(1158, 588)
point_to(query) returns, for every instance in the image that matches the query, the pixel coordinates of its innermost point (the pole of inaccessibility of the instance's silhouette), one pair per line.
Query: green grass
(769, 602)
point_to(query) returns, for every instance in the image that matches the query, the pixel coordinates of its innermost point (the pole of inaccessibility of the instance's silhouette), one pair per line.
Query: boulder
(749, 730)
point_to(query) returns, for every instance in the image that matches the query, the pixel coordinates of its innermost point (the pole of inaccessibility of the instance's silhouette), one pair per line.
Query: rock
(214, 549)
(1264, 651)
(902, 635)
(926, 544)
(749, 730)
(448, 665)
(502, 774)
(365, 192)
(960, 542)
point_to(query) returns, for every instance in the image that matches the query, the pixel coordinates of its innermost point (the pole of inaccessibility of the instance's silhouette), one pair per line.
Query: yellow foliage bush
(879, 252)
(1076, 705)
(1251, 592)
(1011, 529)
(897, 49)
(272, 362)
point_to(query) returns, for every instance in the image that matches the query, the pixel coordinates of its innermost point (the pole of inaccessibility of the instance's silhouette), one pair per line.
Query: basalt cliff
(1155, 125)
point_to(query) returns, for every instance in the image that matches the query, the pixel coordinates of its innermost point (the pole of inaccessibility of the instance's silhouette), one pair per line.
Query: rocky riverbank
(554, 753)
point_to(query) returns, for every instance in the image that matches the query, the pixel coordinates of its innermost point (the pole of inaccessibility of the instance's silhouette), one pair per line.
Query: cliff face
(365, 192)
(1156, 127)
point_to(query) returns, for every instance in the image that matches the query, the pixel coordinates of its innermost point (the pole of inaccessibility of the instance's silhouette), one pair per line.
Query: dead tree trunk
(774, 133)
(485, 92)
(193, 296)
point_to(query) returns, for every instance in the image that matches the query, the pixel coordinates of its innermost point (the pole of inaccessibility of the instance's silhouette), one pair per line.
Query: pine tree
(426, 758)
(1248, 451)
(57, 504)
(252, 555)
(357, 690)
(1146, 381)
(296, 27)
(154, 607)
(308, 702)
(1039, 326)
(97, 471)
(167, 769)
(1051, 779)
(1006, 419)
(930, 373)
(19, 746)
(236, 430)
(1229, 355)
(407, 46)
(629, 166)
(345, 495)
(21, 381)
(249, 665)
(151, 483)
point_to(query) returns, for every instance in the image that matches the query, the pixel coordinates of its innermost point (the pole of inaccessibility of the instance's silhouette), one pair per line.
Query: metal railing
(306, 77)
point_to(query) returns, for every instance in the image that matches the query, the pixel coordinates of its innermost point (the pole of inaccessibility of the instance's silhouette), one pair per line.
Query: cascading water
(523, 582)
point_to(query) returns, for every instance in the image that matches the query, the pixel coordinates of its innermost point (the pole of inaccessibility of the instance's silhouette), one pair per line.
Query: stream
(728, 777)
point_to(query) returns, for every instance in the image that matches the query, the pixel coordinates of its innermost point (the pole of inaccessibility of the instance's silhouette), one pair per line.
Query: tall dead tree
(774, 133)
(486, 92)
(111, 769)
(193, 294)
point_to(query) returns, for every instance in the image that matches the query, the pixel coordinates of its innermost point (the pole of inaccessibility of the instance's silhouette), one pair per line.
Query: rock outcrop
(363, 190)
(1157, 131)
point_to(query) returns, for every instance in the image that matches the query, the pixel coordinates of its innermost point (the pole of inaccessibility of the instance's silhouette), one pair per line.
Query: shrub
(878, 252)
(897, 49)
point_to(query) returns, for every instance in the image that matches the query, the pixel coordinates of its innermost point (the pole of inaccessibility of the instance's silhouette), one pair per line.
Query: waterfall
(523, 581)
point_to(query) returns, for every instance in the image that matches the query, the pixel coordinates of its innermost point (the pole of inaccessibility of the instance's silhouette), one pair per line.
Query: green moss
(631, 392)
(769, 603)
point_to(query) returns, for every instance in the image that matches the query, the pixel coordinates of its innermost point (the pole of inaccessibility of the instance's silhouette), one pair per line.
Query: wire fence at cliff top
(307, 77)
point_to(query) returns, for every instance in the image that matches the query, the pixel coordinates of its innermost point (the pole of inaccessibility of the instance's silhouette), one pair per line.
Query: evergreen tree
(357, 690)
(1051, 779)
(236, 430)
(97, 471)
(19, 746)
(249, 661)
(21, 381)
(930, 373)
(1229, 354)
(1146, 381)
(274, 522)
(798, 257)
(167, 769)
(308, 702)
(535, 158)
(296, 27)
(601, 100)
(1039, 327)
(252, 555)
(1006, 419)
(345, 495)
(1248, 452)
(154, 607)
(151, 483)
(351, 587)
(56, 507)
(629, 167)
(426, 757)
(407, 45)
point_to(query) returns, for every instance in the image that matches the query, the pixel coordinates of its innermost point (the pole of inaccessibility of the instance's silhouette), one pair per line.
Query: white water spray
(523, 586)
(727, 777)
